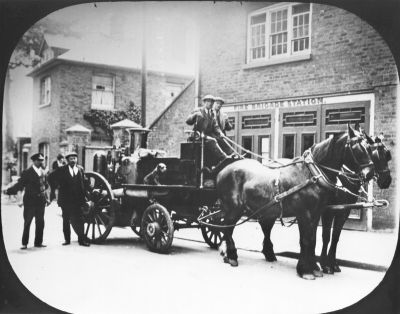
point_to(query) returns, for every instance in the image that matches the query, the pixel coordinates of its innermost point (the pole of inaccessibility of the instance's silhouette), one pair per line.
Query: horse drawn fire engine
(118, 196)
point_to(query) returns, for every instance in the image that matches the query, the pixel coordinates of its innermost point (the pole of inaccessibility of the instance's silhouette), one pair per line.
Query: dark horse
(247, 185)
(380, 157)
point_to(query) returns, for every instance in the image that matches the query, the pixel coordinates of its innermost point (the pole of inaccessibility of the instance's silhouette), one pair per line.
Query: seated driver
(153, 178)
(204, 121)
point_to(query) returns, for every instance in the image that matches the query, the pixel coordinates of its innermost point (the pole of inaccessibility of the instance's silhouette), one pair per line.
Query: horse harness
(317, 177)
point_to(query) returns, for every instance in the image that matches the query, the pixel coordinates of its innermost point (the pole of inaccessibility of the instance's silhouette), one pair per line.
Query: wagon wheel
(99, 214)
(157, 228)
(212, 236)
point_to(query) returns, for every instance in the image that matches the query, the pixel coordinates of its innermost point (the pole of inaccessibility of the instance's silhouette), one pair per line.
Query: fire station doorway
(288, 131)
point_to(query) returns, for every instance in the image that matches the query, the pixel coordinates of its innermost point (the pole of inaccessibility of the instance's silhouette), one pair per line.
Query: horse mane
(324, 150)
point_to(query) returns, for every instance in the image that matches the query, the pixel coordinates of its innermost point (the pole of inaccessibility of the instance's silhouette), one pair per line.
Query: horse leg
(305, 267)
(327, 219)
(315, 214)
(338, 224)
(231, 252)
(268, 247)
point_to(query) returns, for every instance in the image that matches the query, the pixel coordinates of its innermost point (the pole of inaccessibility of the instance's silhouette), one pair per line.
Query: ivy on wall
(105, 118)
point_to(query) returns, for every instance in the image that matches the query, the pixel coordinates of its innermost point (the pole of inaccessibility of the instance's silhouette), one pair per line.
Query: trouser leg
(225, 147)
(66, 224)
(77, 223)
(29, 213)
(39, 222)
(213, 148)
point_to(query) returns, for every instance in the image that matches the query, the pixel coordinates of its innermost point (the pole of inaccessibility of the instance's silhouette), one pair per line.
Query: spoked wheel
(99, 214)
(212, 236)
(157, 228)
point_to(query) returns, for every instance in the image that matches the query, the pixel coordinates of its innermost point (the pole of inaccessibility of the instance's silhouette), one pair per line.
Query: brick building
(71, 82)
(292, 74)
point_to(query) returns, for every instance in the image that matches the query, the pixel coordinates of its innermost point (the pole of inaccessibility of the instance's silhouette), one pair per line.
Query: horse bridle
(387, 156)
(349, 146)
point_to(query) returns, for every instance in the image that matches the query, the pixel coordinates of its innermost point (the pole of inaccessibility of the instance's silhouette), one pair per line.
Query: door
(255, 129)
(335, 118)
(299, 129)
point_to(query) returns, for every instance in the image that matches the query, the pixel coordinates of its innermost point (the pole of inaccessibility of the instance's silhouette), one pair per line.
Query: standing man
(58, 163)
(71, 181)
(222, 119)
(204, 121)
(34, 181)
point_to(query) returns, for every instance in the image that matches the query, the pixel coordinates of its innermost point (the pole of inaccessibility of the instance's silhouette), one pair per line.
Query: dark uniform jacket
(203, 122)
(71, 189)
(35, 187)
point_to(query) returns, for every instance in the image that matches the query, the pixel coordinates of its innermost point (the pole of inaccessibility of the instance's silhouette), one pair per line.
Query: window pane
(288, 146)
(264, 146)
(307, 140)
(301, 8)
(247, 142)
(257, 19)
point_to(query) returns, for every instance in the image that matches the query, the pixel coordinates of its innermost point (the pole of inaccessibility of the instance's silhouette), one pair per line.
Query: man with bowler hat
(34, 181)
(71, 196)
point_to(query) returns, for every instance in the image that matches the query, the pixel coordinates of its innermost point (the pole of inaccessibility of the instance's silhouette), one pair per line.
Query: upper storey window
(279, 33)
(103, 92)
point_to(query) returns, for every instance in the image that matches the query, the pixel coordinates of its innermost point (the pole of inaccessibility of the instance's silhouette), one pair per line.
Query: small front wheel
(157, 228)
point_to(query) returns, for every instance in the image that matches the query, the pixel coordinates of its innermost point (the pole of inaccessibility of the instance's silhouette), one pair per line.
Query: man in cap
(34, 181)
(70, 179)
(222, 119)
(58, 163)
(204, 121)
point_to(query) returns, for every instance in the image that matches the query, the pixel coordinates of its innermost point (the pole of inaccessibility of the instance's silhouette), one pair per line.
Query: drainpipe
(144, 67)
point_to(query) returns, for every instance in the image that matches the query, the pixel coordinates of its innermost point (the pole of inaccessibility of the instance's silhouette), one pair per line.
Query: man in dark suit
(71, 197)
(58, 163)
(204, 121)
(34, 181)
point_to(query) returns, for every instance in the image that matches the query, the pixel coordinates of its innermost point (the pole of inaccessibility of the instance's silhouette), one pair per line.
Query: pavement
(122, 275)
(371, 250)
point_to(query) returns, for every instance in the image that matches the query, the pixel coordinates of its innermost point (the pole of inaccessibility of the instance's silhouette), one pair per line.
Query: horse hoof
(232, 262)
(308, 276)
(270, 258)
(317, 273)
(327, 270)
(336, 269)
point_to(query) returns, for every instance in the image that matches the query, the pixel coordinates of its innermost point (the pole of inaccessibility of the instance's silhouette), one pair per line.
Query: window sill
(264, 63)
(44, 105)
(94, 107)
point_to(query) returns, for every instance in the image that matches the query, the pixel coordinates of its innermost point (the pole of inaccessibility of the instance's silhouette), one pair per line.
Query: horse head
(380, 156)
(357, 154)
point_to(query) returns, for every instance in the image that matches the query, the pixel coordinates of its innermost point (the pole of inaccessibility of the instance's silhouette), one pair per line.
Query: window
(264, 148)
(345, 115)
(288, 146)
(307, 140)
(44, 149)
(256, 122)
(306, 118)
(45, 91)
(278, 32)
(103, 92)
(247, 143)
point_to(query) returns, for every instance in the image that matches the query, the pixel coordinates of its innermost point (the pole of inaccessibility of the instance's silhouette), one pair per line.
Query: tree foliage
(105, 118)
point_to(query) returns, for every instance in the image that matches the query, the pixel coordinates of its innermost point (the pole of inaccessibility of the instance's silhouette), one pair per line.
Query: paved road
(123, 276)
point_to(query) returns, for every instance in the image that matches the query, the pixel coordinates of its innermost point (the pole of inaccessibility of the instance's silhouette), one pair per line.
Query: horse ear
(357, 127)
(350, 131)
(369, 140)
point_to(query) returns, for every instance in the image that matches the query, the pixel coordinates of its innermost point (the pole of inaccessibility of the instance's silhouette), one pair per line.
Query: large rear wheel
(157, 228)
(213, 235)
(99, 212)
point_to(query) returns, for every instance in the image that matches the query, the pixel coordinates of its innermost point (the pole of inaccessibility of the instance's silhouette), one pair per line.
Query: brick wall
(71, 92)
(168, 132)
(347, 55)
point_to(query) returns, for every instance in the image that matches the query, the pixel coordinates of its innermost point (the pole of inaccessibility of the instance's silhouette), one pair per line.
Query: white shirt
(60, 164)
(73, 171)
(39, 171)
